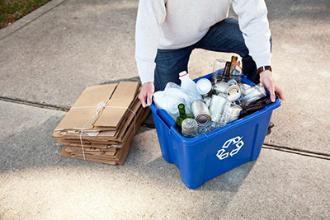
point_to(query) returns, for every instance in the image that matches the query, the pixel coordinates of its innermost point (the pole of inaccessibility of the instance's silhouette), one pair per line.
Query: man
(168, 30)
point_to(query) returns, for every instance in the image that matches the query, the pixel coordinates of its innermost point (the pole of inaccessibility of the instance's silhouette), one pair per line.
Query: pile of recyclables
(212, 124)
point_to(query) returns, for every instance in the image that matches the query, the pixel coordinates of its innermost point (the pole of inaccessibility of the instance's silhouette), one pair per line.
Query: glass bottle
(189, 127)
(233, 63)
(217, 66)
(226, 72)
(182, 115)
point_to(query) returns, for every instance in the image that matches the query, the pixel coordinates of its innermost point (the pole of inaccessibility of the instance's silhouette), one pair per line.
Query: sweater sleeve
(151, 13)
(253, 22)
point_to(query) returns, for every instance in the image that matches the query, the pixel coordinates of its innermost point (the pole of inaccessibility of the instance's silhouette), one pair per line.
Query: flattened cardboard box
(99, 106)
(133, 121)
(118, 104)
(116, 158)
(133, 110)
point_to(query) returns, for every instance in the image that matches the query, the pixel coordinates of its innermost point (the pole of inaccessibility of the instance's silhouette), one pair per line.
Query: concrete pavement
(47, 59)
(36, 183)
(73, 45)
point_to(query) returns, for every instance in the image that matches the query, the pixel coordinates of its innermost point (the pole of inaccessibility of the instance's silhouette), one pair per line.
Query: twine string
(99, 108)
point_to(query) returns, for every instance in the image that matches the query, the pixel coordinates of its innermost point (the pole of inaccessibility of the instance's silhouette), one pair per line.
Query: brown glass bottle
(233, 63)
(226, 71)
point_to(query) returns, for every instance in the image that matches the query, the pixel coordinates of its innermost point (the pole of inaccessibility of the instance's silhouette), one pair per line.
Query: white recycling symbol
(237, 142)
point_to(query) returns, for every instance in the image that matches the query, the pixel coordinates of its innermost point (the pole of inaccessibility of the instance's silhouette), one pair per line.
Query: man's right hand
(146, 94)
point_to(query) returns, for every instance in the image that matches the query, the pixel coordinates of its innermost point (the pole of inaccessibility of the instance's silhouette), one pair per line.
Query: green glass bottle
(182, 115)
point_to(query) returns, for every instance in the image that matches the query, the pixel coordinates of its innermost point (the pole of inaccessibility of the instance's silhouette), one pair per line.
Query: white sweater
(173, 24)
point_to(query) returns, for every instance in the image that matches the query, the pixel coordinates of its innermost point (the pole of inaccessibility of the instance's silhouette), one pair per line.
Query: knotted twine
(99, 108)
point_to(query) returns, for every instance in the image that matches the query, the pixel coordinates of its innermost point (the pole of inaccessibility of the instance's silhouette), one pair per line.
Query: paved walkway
(48, 57)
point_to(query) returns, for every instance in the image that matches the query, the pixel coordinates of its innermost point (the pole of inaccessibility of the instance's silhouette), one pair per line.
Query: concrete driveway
(48, 57)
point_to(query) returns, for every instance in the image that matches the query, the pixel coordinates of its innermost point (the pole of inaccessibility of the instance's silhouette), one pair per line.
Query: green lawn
(11, 10)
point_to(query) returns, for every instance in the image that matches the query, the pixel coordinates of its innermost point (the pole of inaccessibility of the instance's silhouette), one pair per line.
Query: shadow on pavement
(35, 148)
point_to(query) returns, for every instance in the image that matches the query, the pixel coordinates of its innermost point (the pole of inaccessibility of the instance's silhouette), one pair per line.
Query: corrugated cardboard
(83, 113)
(132, 118)
(102, 123)
(121, 99)
(116, 158)
(87, 112)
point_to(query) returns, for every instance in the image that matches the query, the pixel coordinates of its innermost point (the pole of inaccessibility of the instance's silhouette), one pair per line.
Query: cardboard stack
(102, 123)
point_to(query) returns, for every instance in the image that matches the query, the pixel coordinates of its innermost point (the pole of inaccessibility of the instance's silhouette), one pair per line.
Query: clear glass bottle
(189, 127)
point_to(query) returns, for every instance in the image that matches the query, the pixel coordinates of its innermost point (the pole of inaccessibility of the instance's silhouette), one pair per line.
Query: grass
(11, 10)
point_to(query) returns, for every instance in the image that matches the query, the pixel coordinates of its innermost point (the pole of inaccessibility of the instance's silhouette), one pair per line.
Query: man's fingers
(146, 93)
(271, 90)
(142, 98)
(272, 97)
(149, 99)
(272, 94)
(279, 92)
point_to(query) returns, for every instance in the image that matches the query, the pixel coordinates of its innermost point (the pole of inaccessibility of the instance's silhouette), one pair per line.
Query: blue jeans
(224, 36)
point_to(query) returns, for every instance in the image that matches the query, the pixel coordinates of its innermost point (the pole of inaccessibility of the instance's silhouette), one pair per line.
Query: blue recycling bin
(206, 156)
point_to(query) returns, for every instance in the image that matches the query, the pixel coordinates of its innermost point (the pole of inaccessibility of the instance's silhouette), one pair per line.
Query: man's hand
(266, 79)
(146, 93)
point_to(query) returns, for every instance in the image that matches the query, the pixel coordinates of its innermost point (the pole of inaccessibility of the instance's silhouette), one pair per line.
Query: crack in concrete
(34, 104)
(56, 107)
(30, 21)
(130, 79)
(289, 149)
(297, 151)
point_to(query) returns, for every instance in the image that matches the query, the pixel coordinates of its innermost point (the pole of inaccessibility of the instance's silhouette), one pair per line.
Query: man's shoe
(270, 126)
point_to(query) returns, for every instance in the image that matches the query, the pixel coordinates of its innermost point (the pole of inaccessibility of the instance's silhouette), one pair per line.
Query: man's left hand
(266, 79)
